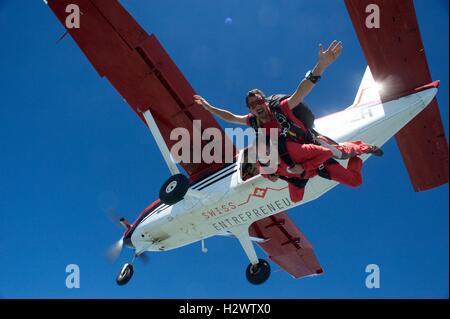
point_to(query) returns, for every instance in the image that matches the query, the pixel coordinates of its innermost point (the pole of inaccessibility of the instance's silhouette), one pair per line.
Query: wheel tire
(125, 274)
(174, 189)
(258, 273)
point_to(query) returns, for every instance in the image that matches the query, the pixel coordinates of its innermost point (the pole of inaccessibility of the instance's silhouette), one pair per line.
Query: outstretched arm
(325, 59)
(223, 114)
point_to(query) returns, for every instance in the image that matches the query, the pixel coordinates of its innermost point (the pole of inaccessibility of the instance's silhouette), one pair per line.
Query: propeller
(112, 215)
(107, 202)
(114, 251)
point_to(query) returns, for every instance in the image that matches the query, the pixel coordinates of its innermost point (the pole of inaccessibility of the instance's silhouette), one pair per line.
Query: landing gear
(125, 274)
(174, 189)
(259, 273)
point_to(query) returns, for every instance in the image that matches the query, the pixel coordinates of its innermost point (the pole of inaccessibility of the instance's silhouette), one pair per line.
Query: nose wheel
(125, 274)
(258, 273)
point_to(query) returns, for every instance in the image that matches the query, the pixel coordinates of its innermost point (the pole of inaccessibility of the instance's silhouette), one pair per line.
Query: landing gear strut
(125, 274)
(258, 273)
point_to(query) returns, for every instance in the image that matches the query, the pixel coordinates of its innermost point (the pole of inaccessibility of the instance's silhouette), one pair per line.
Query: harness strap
(254, 123)
(322, 170)
(296, 181)
(288, 127)
(283, 151)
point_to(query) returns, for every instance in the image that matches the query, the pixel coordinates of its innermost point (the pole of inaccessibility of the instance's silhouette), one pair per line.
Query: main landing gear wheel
(259, 273)
(174, 189)
(125, 274)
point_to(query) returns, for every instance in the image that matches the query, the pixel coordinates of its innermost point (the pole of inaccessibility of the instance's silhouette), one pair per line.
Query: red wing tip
(434, 84)
(319, 271)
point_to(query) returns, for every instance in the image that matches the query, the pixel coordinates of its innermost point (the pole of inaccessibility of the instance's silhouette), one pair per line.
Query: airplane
(396, 97)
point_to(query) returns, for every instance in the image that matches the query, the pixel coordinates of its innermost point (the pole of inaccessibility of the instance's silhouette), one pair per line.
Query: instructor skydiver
(299, 145)
(290, 113)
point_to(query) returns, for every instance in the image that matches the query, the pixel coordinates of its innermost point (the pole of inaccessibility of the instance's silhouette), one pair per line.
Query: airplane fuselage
(232, 202)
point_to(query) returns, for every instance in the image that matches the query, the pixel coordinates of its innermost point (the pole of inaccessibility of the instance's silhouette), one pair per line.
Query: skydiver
(299, 143)
(292, 115)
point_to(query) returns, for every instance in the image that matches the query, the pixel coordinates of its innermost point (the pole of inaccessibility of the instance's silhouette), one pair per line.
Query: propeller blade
(113, 217)
(114, 251)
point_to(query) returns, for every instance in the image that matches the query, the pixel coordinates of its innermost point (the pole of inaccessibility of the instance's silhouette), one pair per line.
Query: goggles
(258, 101)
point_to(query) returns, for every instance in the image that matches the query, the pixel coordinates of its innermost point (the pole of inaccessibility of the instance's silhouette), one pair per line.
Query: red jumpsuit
(348, 149)
(311, 156)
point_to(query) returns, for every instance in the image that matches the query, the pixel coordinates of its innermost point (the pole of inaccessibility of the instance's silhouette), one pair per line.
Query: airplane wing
(286, 245)
(140, 69)
(396, 57)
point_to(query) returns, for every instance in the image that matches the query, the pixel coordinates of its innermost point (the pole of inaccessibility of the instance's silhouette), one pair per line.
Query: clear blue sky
(70, 147)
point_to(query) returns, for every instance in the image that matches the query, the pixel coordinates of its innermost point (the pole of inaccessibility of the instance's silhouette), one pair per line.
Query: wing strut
(160, 141)
(241, 233)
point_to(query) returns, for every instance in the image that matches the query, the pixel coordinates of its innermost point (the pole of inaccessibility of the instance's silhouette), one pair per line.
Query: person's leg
(349, 149)
(354, 148)
(350, 176)
(295, 193)
(310, 156)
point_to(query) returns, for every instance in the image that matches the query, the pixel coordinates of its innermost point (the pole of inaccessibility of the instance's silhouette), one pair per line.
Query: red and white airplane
(396, 98)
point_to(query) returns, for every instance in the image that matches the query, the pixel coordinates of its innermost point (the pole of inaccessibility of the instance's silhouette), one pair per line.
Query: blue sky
(70, 148)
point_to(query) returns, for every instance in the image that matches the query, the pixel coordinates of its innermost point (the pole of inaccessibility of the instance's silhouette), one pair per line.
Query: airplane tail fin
(422, 142)
(396, 57)
(368, 91)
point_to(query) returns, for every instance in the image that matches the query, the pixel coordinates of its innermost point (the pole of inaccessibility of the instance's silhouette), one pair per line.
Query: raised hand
(331, 54)
(202, 102)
